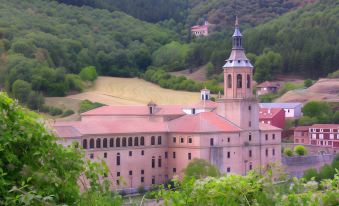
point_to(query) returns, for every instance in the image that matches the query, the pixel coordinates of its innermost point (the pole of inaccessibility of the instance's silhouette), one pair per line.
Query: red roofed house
(267, 88)
(150, 144)
(273, 116)
(301, 135)
(198, 30)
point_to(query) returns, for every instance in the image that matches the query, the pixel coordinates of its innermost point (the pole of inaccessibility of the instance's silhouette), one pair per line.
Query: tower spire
(236, 21)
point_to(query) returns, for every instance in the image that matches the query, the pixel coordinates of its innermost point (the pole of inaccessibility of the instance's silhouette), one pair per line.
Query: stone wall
(295, 166)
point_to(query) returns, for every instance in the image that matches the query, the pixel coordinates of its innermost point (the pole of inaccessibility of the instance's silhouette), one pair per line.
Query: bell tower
(238, 103)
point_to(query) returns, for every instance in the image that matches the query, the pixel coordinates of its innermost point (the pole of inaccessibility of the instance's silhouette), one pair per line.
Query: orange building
(150, 144)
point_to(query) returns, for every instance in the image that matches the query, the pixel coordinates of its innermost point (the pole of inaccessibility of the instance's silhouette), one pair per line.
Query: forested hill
(190, 12)
(41, 41)
(307, 39)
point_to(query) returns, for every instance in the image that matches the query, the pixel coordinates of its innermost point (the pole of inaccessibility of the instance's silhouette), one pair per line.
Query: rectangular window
(266, 152)
(249, 123)
(142, 152)
(173, 155)
(130, 153)
(273, 152)
(249, 137)
(228, 139)
(142, 172)
(166, 155)
(211, 142)
(159, 140)
(228, 169)
(174, 170)
(174, 139)
(228, 154)
(250, 167)
(266, 137)
(118, 160)
(249, 108)
(142, 179)
(118, 174)
(159, 162)
(153, 162)
(105, 154)
(189, 156)
(153, 180)
(182, 140)
(130, 172)
(190, 140)
(118, 182)
(91, 156)
(273, 136)
(250, 153)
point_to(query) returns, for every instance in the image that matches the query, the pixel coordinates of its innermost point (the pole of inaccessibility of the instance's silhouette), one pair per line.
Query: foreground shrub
(300, 150)
(33, 167)
(288, 152)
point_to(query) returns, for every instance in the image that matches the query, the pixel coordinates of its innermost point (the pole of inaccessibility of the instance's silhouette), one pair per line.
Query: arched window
(229, 81)
(130, 141)
(117, 143)
(239, 81)
(104, 143)
(159, 140)
(136, 141)
(118, 159)
(111, 142)
(124, 142)
(152, 140)
(84, 143)
(91, 143)
(142, 141)
(248, 81)
(98, 144)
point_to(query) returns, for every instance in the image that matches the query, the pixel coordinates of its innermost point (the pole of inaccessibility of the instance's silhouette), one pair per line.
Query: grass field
(133, 91)
(123, 91)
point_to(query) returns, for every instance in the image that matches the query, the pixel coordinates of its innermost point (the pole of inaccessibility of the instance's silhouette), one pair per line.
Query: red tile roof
(301, 128)
(268, 84)
(204, 122)
(203, 104)
(265, 113)
(100, 126)
(134, 110)
(268, 127)
(325, 126)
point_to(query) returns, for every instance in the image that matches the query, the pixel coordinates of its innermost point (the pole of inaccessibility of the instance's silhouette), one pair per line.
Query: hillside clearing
(196, 75)
(322, 90)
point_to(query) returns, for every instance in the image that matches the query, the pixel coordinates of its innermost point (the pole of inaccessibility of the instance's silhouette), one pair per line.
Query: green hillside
(307, 39)
(42, 41)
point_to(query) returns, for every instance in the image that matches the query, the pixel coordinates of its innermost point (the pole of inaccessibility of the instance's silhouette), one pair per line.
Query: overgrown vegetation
(87, 105)
(326, 172)
(36, 170)
(166, 80)
(318, 112)
(252, 189)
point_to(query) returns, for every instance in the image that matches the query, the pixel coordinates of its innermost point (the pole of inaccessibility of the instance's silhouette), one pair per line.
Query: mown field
(124, 91)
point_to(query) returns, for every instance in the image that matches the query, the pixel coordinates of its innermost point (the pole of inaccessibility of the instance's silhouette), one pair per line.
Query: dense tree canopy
(42, 41)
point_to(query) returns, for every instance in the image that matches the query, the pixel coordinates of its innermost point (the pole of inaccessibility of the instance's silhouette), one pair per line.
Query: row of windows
(266, 137)
(142, 178)
(182, 140)
(118, 142)
(239, 81)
